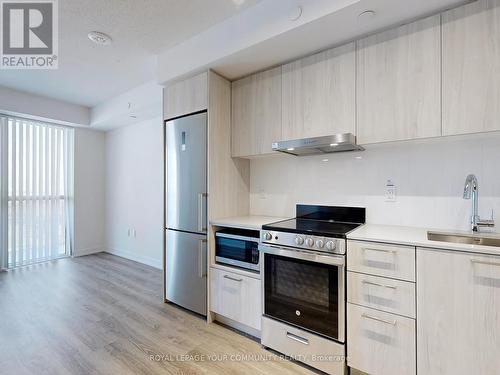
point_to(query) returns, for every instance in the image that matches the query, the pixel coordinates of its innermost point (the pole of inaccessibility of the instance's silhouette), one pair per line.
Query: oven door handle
(297, 338)
(336, 260)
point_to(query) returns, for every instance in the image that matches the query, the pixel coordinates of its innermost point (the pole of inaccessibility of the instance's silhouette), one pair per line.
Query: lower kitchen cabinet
(236, 297)
(380, 343)
(458, 313)
(379, 259)
(380, 293)
(381, 326)
(325, 355)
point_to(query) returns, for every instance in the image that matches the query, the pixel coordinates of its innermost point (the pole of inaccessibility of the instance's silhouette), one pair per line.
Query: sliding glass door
(38, 197)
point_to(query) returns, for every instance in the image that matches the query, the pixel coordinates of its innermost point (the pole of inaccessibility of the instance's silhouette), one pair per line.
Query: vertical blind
(39, 184)
(3, 193)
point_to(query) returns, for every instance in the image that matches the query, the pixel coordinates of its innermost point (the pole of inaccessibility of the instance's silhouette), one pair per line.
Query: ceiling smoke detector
(100, 38)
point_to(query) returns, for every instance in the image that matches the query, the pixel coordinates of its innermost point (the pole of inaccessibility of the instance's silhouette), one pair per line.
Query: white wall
(89, 191)
(143, 102)
(429, 176)
(134, 192)
(19, 103)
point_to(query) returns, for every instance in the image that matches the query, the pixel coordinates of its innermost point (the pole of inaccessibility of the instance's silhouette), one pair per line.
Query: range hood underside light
(318, 145)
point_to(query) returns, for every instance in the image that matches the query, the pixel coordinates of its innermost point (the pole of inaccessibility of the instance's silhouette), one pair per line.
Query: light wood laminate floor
(101, 314)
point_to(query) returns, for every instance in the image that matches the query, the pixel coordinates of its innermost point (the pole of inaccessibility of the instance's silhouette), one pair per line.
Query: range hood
(318, 145)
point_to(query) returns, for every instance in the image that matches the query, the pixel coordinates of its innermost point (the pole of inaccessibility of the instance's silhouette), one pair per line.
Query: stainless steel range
(304, 284)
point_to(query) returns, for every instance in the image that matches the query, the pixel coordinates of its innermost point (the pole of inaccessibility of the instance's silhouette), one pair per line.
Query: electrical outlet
(262, 194)
(390, 191)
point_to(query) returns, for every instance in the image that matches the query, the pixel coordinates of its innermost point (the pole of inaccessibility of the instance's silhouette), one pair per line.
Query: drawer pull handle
(477, 261)
(379, 250)
(233, 279)
(380, 285)
(297, 338)
(391, 322)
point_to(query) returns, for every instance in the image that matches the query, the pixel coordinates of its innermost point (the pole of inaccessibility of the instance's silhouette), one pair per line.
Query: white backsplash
(429, 176)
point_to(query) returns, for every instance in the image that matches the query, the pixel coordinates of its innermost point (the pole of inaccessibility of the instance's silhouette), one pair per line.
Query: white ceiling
(331, 29)
(264, 36)
(89, 74)
(163, 40)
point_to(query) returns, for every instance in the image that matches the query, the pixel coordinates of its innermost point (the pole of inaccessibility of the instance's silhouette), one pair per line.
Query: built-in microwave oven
(238, 248)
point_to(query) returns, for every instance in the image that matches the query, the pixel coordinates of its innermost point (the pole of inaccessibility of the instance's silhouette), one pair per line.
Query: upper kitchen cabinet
(399, 83)
(319, 94)
(185, 97)
(256, 113)
(471, 65)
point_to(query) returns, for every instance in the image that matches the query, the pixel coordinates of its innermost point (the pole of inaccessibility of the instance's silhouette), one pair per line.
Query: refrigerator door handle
(202, 258)
(202, 227)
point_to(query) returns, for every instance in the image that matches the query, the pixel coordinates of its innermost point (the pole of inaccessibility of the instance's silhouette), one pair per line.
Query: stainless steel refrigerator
(186, 208)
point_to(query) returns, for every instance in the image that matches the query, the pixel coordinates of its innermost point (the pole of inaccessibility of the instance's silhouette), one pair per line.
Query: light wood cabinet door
(399, 83)
(319, 94)
(458, 319)
(256, 113)
(185, 97)
(471, 65)
(236, 297)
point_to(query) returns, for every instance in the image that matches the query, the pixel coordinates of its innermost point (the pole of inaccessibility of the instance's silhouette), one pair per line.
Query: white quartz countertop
(417, 237)
(246, 222)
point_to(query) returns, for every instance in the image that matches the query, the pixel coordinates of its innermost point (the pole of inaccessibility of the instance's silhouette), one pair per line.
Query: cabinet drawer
(236, 297)
(395, 261)
(320, 353)
(380, 293)
(380, 343)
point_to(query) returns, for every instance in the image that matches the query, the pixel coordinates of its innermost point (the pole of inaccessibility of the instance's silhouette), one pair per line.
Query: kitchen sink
(484, 239)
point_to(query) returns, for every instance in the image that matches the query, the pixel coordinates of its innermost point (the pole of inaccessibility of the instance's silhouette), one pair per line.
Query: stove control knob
(299, 240)
(331, 245)
(320, 243)
(310, 242)
(267, 236)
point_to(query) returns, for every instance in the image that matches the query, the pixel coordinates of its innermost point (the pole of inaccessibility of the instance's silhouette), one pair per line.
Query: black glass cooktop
(312, 227)
(328, 221)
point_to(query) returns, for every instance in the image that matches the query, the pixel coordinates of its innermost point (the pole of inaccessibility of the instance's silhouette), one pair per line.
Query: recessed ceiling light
(324, 160)
(366, 15)
(100, 38)
(290, 149)
(295, 13)
(333, 144)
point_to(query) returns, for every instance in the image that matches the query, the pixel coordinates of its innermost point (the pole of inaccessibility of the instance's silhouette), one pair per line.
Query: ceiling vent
(100, 38)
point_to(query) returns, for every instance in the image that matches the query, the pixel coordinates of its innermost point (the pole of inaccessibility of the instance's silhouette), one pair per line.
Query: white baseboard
(156, 263)
(88, 251)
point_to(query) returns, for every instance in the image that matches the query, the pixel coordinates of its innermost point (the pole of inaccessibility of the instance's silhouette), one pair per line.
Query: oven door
(305, 289)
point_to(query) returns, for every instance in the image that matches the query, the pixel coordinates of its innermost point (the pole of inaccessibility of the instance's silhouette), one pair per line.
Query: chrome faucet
(471, 190)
